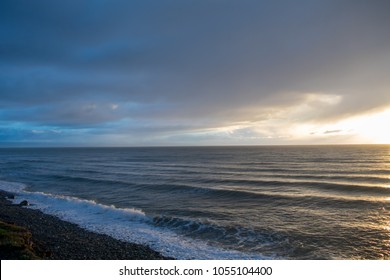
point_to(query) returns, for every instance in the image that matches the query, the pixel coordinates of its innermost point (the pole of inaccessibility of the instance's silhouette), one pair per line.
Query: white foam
(129, 224)
(12, 186)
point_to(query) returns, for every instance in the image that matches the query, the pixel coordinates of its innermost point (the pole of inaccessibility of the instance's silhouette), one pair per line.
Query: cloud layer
(188, 72)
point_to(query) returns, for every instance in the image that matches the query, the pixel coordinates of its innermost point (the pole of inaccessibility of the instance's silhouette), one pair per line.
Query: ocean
(265, 202)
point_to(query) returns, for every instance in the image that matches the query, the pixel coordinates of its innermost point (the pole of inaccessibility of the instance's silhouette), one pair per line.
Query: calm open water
(277, 202)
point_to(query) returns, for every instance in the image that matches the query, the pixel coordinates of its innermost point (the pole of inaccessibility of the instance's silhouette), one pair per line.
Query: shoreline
(55, 239)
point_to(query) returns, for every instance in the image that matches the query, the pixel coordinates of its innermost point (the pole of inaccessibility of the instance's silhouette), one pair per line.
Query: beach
(55, 239)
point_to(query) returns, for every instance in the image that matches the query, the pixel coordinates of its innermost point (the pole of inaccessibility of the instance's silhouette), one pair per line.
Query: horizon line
(189, 146)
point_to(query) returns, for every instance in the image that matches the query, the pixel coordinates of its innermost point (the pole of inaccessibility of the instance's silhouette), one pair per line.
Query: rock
(7, 195)
(24, 203)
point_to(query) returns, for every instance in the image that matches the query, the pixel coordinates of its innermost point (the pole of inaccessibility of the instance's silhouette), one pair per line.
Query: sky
(194, 72)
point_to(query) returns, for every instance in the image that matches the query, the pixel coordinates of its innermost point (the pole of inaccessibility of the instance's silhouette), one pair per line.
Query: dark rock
(24, 203)
(7, 195)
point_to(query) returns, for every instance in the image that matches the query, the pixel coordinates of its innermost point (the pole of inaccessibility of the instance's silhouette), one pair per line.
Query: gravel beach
(59, 240)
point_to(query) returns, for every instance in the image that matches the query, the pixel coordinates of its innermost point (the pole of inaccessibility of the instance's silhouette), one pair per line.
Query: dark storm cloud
(85, 63)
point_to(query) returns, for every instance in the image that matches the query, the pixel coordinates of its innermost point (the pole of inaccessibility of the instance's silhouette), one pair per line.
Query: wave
(306, 185)
(345, 182)
(84, 179)
(234, 236)
(127, 224)
(274, 191)
(283, 185)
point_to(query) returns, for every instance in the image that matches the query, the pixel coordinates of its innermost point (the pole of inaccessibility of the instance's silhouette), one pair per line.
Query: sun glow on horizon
(362, 129)
(373, 127)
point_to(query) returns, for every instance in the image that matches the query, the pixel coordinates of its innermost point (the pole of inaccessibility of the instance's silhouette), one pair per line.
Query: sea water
(266, 202)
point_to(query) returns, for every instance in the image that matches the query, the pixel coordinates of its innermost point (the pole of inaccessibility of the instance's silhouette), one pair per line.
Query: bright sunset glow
(368, 128)
(373, 127)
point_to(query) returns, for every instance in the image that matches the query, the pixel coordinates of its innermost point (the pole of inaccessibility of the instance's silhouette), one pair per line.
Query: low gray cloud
(189, 64)
(332, 131)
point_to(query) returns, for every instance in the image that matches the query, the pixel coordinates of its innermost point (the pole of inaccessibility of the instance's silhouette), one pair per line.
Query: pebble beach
(55, 239)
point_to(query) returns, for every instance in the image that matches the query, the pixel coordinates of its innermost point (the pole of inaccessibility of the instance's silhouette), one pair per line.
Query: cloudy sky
(194, 72)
